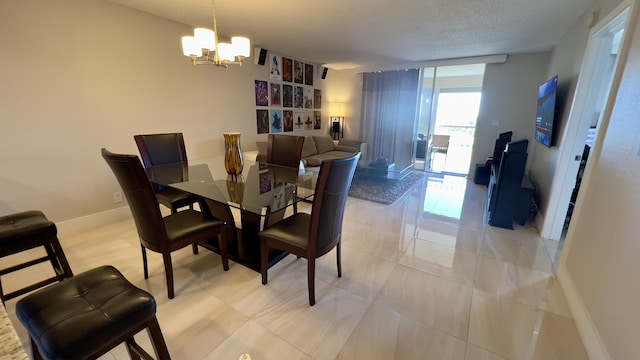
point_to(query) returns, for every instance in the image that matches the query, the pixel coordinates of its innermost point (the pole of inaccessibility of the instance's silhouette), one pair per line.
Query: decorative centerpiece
(235, 187)
(233, 161)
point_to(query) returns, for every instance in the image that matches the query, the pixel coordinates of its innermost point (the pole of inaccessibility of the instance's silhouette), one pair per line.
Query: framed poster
(308, 121)
(298, 72)
(308, 98)
(317, 122)
(276, 121)
(308, 74)
(298, 97)
(287, 69)
(287, 116)
(262, 93)
(287, 95)
(298, 120)
(275, 94)
(275, 67)
(262, 121)
(317, 98)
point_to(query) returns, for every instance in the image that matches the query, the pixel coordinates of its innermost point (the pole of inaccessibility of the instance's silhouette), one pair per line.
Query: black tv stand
(510, 192)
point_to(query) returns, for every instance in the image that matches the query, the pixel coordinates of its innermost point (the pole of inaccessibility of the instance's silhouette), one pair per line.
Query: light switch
(495, 122)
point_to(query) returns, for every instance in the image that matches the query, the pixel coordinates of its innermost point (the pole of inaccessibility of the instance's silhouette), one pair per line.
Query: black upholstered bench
(29, 230)
(87, 315)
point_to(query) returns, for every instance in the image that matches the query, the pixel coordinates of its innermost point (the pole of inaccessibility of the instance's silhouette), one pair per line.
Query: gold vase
(235, 187)
(233, 162)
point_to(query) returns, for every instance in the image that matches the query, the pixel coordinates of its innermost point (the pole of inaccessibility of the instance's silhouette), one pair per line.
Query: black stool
(85, 316)
(28, 230)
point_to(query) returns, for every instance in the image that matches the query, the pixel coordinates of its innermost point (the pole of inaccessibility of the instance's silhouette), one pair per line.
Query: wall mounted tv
(546, 114)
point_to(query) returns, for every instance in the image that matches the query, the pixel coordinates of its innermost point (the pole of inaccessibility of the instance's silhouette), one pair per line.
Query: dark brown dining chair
(158, 234)
(285, 150)
(313, 235)
(166, 149)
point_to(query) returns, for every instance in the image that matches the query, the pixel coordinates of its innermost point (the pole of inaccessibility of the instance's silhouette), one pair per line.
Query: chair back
(141, 198)
(161, 149)
(440, 142)
(284, 150)
(332, 188)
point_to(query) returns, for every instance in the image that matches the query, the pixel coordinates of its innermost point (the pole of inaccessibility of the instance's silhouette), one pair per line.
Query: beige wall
(602, 245)
(81, 75)
(509, 97)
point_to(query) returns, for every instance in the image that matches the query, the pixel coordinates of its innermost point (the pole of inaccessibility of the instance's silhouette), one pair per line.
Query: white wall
(77, 76)
(509, 96)
(603, 244)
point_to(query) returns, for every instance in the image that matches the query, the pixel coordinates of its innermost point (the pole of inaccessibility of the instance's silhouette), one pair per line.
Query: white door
(591, 97)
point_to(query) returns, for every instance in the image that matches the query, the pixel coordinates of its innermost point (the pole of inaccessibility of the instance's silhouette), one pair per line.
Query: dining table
(248, 202)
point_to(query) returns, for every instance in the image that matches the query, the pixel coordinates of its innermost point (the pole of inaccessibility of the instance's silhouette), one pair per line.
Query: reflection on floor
(423, 278)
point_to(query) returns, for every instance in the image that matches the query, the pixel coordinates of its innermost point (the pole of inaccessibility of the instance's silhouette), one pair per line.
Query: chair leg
(194, 246)
(144, 262)
(168, 270)
(222, 245)
(58, 259)
(311, 280)
(338, 258)
(264, 259)
(131, 345)
(157, 340)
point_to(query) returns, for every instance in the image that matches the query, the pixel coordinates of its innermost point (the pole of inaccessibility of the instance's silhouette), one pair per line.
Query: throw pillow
(324, 143)
(309, 147)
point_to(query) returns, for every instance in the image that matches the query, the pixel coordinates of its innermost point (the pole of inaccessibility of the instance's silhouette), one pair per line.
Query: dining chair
(158, 234)
(165, 149)
(285, 150)
(439, 144)
(312, 235)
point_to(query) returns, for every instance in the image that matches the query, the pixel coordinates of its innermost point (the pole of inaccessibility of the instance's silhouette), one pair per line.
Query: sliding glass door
(449, 104)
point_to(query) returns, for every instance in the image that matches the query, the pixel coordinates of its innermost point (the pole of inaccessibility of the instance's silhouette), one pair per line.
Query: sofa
(319, 148)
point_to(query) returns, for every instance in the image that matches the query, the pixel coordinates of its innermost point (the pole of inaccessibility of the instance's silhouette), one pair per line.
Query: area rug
(382, 191)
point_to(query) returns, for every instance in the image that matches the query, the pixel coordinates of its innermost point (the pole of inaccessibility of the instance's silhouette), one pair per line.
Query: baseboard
(588, 332)
(72, 226)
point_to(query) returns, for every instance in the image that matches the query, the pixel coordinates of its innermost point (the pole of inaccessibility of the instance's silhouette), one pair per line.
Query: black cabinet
(510, 192)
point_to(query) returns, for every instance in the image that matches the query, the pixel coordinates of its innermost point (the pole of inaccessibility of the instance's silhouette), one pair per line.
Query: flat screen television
(546, 114)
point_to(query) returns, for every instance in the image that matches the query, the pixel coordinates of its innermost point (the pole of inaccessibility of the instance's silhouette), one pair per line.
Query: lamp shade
(226, 51)
(335, 127)
(190, 46)
(206, 38)
(241, 46)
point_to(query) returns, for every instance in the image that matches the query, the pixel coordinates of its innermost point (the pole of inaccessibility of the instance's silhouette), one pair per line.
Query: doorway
(449, 105)
(591, 98)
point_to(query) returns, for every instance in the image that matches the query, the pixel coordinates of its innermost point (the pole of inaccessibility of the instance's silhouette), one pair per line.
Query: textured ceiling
(357, 33)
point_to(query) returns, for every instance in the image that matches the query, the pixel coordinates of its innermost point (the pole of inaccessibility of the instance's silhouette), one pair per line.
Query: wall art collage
(287, 101)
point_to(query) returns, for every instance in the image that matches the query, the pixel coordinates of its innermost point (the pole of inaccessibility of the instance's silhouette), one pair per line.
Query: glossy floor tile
(423, 278)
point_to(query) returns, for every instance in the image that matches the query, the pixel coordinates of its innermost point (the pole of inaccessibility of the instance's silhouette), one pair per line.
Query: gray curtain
(389, 107)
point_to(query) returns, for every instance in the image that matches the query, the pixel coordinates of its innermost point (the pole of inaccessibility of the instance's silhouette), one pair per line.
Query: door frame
(580, 118)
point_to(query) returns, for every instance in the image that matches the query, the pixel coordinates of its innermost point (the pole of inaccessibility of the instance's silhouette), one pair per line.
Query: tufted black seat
(87, 315)
(29, 230)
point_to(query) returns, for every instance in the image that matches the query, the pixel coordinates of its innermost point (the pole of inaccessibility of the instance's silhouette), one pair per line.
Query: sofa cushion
(309, 147)
(349, 145)
(324, 143)
(313, 161)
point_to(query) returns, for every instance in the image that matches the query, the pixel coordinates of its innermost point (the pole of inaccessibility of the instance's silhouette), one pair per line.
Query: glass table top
(260, 189)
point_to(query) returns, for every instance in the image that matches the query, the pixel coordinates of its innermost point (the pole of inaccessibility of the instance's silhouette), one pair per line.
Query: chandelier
(204, 47)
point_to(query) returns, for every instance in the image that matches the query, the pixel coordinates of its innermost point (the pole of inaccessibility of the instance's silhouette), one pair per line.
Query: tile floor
(421, 280)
